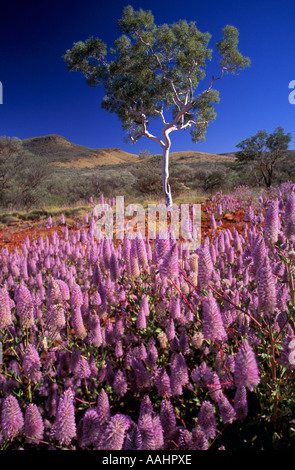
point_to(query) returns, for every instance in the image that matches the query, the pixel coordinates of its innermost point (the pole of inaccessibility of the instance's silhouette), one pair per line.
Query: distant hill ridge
(62, 152)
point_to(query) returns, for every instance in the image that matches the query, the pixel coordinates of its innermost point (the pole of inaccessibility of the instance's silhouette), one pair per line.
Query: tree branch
(144, 131)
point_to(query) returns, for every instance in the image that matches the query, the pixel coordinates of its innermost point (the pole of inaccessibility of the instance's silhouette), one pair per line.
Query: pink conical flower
(213, 222)
(114, 267)
(145, 425)
(289, 216)
(34, 426)
(205, 266)
(77, 322)
(272, 223)
(169, 268)
(103, 409)
(267, 293)
(207, 420)
(120, 383)
(113, 437)
(49, 222)
(246, 368)
(168, 418)
(170, 330)
(174, 308)
(134, 266)
(144, 305)
(64, 289)
(227, 412)
(240, 403)
(141, 251)
(141, 320)
(83, 368)
(212, 321)
(179, 375)
(106, 253)
(12, 420)
(259, 253)
(200, 442)
(5, 309)
(133, 440)
(55, 319)
(162, 382)
(143, 313)
(24, 306)
(32, 364)
(126, 254)
(90, 428)
(162, 246)
(95, 335)
(65, 429)
(76, 296)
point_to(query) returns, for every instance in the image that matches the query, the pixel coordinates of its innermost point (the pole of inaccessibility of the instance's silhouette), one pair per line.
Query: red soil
(14, 236)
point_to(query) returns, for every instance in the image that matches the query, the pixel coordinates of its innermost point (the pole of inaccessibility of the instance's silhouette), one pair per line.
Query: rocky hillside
(64, 153)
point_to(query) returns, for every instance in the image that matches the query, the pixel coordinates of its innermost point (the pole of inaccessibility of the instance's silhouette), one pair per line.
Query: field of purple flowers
(143, 345)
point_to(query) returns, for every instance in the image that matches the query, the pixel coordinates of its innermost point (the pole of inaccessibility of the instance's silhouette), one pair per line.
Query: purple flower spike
(24, 306)
(227, 412)
(145, 425)
(240, 403)
(133, 440)
(199, 440)
(162, 382)
(103, 409)
(120, 383)
(205, 266)
(34, 426)
(141, 320)
(95, 334)
(168, 418)
(32, 364)
(169, 268)
(272, 223)
(207, 420)
(65, 429)
(12, 420)
(212, 321)
(90, 428)
(5, 308)
(114, 267)
(267, 295)
(289, 216)
(246, 369)
(113, 437)
(77, 322)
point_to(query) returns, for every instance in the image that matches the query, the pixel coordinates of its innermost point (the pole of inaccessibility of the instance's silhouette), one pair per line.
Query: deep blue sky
(42, 97)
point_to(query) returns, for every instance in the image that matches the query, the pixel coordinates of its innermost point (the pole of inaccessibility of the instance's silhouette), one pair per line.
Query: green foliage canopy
(154, 69)
(261, 153)
(21, 174)
(156, 66)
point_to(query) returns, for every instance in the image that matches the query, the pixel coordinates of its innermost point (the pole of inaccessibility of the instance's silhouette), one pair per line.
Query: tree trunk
(165, 177)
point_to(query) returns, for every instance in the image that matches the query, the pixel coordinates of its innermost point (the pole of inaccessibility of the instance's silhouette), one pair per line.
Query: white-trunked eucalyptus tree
(153, 72)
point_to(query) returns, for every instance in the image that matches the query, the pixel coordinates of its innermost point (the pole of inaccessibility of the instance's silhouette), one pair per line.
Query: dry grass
(189, 156)
(100, 158)
(116, 156)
